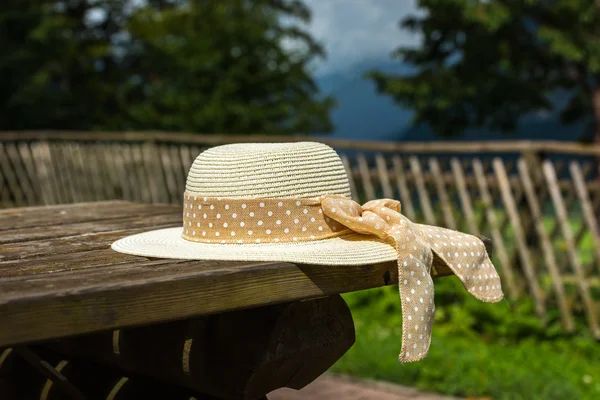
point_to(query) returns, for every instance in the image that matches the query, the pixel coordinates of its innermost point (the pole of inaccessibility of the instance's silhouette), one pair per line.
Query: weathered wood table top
(59, 277)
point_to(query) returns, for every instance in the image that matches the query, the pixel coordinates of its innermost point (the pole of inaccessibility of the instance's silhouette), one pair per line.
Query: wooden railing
(538, 201)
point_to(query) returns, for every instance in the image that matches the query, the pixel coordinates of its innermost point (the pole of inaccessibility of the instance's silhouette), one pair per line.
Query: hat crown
(263, 170)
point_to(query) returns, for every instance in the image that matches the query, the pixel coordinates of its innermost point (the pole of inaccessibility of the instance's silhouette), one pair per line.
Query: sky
(358, 31)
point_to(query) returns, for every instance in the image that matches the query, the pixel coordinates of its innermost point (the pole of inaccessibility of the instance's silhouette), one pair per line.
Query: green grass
(585, 247)
(478, 349)
(498, 351)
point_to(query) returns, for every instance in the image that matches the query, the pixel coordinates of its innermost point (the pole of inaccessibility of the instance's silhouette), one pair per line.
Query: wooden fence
(538, 201)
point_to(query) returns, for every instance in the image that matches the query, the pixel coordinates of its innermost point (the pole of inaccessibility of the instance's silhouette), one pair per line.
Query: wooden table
(59, 278)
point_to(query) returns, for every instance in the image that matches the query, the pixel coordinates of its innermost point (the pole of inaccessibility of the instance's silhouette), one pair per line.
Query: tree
(50, 58)
(487, 64)
(232, 66)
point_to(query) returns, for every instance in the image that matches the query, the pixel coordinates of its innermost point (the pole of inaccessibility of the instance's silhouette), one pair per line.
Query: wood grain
(83, 228)
(69, 244)
(135, 293)
(37, 217)
(94, 226)
(65, 278)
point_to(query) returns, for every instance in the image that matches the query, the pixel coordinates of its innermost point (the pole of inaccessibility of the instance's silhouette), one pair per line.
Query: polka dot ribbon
(416, 245)
(218, 220)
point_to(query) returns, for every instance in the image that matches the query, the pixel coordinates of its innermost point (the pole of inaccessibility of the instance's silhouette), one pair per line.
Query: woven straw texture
(254, 170)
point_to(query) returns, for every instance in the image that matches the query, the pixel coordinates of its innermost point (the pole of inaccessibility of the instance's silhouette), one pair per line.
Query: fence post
(563, 221)
(350, 174)
(407, 205)
(547, 249)
(434, 167)
(523, 250)
(463, 194)
(384, 177)
(586, 204)
(415, 167)
(365, 174)
(498, 240)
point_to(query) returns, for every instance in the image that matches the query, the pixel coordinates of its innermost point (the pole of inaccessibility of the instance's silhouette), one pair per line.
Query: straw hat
(291, 202)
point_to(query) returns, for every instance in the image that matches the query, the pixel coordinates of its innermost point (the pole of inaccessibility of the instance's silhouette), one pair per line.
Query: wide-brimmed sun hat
(291, 202)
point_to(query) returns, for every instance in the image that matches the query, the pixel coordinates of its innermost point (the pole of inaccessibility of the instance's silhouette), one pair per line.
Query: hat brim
(351, 249)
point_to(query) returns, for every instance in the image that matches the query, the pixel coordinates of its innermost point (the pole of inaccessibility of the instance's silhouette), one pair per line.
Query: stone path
(331, 387)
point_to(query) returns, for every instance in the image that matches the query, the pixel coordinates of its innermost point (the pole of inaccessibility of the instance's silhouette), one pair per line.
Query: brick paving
(331, 387)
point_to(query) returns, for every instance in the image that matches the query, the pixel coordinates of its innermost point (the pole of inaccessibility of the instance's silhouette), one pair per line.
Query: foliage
(48, 64)
(489, 63)
(478, 349)
(234, 66)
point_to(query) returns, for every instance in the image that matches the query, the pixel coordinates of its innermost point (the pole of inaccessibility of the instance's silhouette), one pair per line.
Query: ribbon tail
(415, 285)
(466, 256)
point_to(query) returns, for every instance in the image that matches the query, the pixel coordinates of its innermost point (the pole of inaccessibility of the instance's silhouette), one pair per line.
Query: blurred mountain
(361, 112)
(364, 114)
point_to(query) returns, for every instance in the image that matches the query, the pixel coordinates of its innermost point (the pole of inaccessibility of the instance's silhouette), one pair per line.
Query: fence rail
(538, 201)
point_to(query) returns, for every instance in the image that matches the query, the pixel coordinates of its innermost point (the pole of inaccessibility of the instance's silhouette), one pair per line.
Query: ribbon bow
(416, 244)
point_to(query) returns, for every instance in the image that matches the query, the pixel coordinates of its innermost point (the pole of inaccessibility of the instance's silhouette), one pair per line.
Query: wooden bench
(232, 330)
(73, 308)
